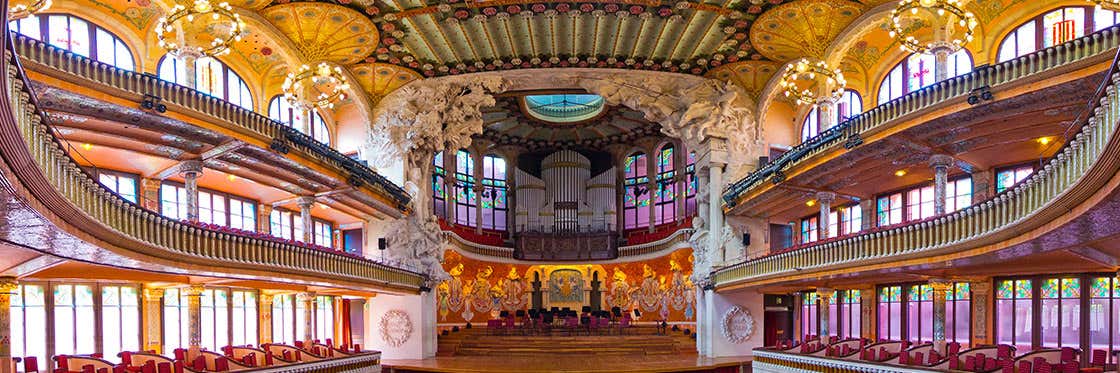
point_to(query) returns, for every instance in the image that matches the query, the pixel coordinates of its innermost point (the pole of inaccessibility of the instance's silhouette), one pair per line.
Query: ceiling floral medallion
(395, 327)
(204, 29)
(737, 325)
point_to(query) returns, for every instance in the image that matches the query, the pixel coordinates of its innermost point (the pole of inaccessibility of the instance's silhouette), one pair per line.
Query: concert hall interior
(560, 186)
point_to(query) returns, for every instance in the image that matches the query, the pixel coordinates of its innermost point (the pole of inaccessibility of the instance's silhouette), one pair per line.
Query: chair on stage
(545, 322)
(623, 324)
(571, 324)
(524, 321)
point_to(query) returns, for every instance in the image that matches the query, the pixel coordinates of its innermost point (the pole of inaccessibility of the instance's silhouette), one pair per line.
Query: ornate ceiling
(508, 123)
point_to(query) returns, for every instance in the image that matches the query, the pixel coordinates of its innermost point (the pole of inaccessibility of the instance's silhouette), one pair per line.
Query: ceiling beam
(224, 148)
(33, 266)
(284, 201)
(1095, 256)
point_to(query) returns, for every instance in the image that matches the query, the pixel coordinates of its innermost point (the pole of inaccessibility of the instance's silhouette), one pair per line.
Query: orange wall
(659, 287)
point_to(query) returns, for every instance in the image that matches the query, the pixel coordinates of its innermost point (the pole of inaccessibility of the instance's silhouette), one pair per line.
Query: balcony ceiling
(514, 121)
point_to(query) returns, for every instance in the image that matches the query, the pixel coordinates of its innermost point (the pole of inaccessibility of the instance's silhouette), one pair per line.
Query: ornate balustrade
(1076, 172)
(768, 361)
(68, 196)
(108, 78)
(851, 132)
(659, 247)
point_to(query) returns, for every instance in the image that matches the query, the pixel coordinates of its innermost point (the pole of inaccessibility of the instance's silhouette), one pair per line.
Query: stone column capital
(937, 161)
(306, 201)
(190, 168)
(941, 285)
(825, 294)
(194, 290)
(153, 294)
(826, 198)
(265, 298)
(305, 297)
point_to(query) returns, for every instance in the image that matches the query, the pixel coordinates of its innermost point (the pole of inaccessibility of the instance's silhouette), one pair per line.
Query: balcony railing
(60, 190)
(850, 133)
(655, 248)
(1079, 169)
(246, 121)
(765, 361)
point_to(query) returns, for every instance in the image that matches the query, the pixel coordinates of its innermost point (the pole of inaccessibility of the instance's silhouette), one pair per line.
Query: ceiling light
(232, 177)
(900, 173)
(811, 202)
(87, 146)
(1044, 140)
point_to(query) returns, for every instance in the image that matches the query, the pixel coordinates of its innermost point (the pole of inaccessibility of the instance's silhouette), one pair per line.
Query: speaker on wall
(382, 243)
(746, 239)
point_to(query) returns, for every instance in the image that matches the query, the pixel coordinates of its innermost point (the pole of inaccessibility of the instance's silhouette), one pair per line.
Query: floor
(631, 364)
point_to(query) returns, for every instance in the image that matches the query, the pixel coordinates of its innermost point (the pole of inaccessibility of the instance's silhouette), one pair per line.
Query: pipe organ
(566, 198)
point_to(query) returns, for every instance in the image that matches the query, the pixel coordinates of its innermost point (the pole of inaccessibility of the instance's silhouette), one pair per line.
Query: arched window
(494, 206)
(849, 105)
(665, 206)
(692, 186)
(212, 77)
(466, 200)
(439, 190)
(280, 110)
(635, 204)
(76, 35)
(1053, 28)
(918, 71)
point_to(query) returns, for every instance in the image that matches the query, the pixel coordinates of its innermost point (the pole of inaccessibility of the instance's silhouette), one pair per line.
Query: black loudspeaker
(382, 243)
(746, 239)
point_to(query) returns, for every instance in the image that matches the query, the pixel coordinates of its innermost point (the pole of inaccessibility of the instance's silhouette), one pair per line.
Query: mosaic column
(305, 204)
(8, 287)
(824, 295)
(982, 185)
(191, 171)
(264, 216)
(867, 214)
(264, 317)
(827, 108)
(941, 63)
(307, 299)
(194, 320)
(478, 162)
(867, 314)
(941, 289)
(153, 322)
(940, 164)
(149, 193)
(981, 303)
(189, 61)
(825, 199)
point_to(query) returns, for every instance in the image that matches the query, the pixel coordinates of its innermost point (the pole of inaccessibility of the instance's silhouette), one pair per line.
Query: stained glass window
(809, 228)
(665, 209)
(958, 314)
(122, 184)
(29, 322)
(280, 110)
(439, 187)
(635, 204)
(810, 322)
(1054, 27)
(958, 194)
(120, 319)
(78, 36)
(214, 307)
(212, 77)
(245, 317)
(889, 209)
(1061, 312)
(283, 319)
(1014, 313)
(919, 71)
(692, 186)
(175, 321)
(494, 189)
(849, 315)
(845, 220)
(890, 313)
(1008, 177)
(466, 198)
(919, 312)
(849, 105)
(324, 317)
(1104, 315)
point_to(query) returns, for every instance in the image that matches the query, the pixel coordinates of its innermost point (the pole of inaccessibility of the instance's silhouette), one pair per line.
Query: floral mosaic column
(307, 299)
(194, 320)
(825, 296)
(8, 287)
(981, 300)
(940, 164)
(941, 289)
(264, 314)
(153, 329)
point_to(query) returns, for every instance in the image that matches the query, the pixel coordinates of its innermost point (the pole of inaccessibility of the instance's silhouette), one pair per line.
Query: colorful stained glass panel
(1071, 288)
(1050, 288)
(1099, 287)
(1005, 289)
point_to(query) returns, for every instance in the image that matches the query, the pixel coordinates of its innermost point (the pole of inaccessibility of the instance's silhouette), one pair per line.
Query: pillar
(8, 287)
(941, 289)
(149, 193)
(825, 296)
(981, 303)
(940, 164)
(305, 204)
(194, 320)
(511, 196)
(264, 216)
(825, 199)
(450, 165)
(982, 185)
(308, 301)
(189, 59)
(153, 320)
(191, 170)
(867, 314)
(827, 113)
(941, 63)
(264, 318)
(307, 112)
(651, 186)
(868, 216)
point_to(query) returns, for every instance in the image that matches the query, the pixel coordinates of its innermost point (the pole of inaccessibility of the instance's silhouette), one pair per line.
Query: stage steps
(638, 341)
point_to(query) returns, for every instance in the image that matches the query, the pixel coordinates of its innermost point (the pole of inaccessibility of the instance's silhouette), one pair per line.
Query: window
(1053, 28)
(890, 209)
(283, 319)
(851, 220)
(176, 325)
(494, 189)
(29, 322)
(958, 314)
(212, 77)
(73, 316)
(439, 189)
(466, 199)
(1061, 312)
(214, 306)
(811, 126)
(124, 185)
(323, 233)
(242, 214)
(280, 110)
(635, 203)
(890, 313)
(919, 203)
(692, 186)
(849, 105)
(1104, 314)
(1008, 177)
(301, 320)
(213, 207)
(324, 317)
(919, 71)
(173, 201)
(809, 320)
(1014, 313)
(244, 318)
(120, 319)
(958, 194)
(919, 312)
(285, 224)
(77, 35)
(665, 206)
(850, 318)
(809, 229)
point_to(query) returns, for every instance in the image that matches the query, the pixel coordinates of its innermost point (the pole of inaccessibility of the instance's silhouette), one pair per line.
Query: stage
(686, 362)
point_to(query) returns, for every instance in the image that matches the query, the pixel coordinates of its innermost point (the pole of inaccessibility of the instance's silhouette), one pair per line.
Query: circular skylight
(564, 108)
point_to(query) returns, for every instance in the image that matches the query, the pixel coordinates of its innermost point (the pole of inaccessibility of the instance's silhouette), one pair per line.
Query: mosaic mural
(658, 287)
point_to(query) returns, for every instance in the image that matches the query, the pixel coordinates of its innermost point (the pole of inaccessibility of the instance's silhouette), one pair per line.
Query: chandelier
(1106, 4)
(812, 83)
(319, 87)
(222, 27)
(944, 11)
(21, 11)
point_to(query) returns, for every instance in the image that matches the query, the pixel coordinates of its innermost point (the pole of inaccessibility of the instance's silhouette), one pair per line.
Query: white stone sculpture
(395, 327)
(738, 324)
(419, 243)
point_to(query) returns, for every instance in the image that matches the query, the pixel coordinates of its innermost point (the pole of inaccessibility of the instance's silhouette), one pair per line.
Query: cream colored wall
(780, 125)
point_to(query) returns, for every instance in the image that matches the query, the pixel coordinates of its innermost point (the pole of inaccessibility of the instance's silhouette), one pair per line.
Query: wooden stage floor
(568, 364)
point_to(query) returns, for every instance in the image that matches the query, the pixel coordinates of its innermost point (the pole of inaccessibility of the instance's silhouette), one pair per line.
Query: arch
(849, 105)
(916, 71)
(212, 77)
(1055, 25)
(78, 35)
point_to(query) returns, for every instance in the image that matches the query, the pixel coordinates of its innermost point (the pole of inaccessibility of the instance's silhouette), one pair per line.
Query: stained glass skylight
(564, 108)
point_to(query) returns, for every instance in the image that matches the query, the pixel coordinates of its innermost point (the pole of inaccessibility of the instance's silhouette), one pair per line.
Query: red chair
(268, 359)
(904, 357)
(180, 354)
(88, 368)
(1004, 352)
(1068, 354)
(919, 358)
(954, 362)
(199, 363)
(250, 359)
(1037, 365)
(221, 364)
(934, 357)
(990, 364)
(970, 363)
(510, 324)
(149, 367)
(1025, 366)
(30, 364)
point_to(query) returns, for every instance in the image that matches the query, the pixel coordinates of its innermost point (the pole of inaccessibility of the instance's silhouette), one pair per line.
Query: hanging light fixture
(321, 86)
(812, 83)
(939, 13)
(215, 27)
(21, 11)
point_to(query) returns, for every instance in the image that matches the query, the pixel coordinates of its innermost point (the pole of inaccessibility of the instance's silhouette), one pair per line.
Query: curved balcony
(1082, 170)
(884, 118)
(249, 125)
(663, 240)
(54, 206)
